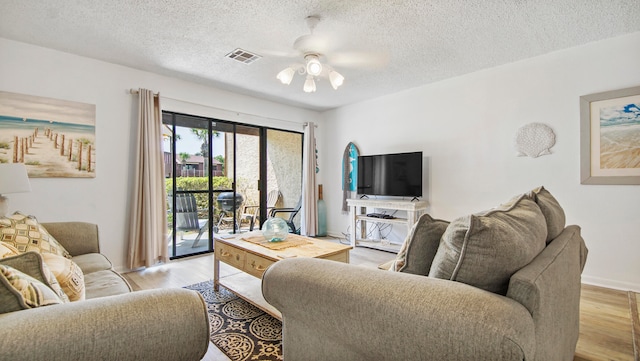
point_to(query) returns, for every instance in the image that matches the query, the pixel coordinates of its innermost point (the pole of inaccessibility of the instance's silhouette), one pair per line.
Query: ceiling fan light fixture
(336, 79)
(309, 85)
(286, 75)
(314, 67)
(310, 47)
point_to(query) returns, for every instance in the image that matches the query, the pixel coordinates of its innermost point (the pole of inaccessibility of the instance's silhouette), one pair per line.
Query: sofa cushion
(21, 291)
(32, 265)
(420, 246)
(26, 234)
(485, 249)
(92, 262)
(105, 283)
(68, 275)
(7, 250)
(551, 210)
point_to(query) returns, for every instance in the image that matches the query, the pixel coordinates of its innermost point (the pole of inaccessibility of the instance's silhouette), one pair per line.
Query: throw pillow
(68, 275)
(485, 249)
(32, 264)
(26, 234)
(420, 246)
(7, 250)
(552, 211)
(22, 291)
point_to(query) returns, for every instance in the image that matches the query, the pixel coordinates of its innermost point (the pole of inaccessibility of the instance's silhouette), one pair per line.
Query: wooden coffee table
(253, 259)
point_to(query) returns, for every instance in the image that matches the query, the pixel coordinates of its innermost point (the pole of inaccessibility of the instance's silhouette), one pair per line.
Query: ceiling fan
(313, 48)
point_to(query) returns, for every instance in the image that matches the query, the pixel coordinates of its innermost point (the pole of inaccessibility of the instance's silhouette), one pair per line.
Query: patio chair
(186, 214)
(292, 213)
(251, 212)
(272, 198)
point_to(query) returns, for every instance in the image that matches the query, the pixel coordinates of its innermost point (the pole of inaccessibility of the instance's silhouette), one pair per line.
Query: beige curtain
(148, 228)
(309, 210)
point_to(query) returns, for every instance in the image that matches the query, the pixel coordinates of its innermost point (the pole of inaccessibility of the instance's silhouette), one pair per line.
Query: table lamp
(13, 179)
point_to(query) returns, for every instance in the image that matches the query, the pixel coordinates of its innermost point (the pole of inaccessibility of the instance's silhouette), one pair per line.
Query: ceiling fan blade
(355, 59)
(279, 53)
(305, 44)
(313, 43)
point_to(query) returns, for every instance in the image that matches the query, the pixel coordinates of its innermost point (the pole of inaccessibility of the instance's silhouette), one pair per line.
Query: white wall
(104, 200)
(465, 126)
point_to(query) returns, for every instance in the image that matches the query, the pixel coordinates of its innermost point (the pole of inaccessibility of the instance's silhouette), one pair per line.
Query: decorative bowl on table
(275, 229)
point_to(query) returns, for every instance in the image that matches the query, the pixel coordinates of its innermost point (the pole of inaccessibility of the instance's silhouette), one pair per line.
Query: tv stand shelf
(381, 220)
(358, 213)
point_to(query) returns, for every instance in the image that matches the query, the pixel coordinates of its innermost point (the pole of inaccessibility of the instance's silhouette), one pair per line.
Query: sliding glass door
(284, 174)
(221, 178)
(189, 168)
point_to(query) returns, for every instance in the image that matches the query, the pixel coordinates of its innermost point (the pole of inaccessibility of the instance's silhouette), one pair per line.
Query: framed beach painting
(52, 137)
(610, 137)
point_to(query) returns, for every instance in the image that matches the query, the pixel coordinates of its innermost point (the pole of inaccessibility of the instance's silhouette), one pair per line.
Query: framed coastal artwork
(52, 137)
(610, 137)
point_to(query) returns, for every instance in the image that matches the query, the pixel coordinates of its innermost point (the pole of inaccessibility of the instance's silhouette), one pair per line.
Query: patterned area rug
(239, 329)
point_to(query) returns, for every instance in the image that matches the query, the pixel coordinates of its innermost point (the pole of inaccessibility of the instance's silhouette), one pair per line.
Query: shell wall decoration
(534, 139)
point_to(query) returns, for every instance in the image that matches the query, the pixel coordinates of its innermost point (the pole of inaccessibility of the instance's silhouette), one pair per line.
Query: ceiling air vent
(243, 56)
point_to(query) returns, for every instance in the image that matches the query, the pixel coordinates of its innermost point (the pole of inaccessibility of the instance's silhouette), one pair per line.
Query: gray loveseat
(112, 323)
(334, 311)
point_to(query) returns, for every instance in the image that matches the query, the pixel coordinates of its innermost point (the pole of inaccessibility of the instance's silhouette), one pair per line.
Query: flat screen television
(398, 174)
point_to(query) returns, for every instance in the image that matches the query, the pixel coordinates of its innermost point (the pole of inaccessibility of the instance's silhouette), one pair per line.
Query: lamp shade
(286, 75)
(14, 178)
(336, 79)
(309, 85)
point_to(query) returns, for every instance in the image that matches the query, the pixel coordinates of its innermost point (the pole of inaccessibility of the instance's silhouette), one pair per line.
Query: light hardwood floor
(609, 325)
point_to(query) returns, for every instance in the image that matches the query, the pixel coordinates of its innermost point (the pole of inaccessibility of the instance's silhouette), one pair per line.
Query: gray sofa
(334, 311)
(112, 323)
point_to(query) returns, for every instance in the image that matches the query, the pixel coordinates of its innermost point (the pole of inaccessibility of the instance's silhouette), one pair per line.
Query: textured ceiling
(407, 43)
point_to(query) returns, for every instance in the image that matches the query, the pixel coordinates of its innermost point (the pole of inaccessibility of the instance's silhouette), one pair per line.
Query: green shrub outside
(198, 184)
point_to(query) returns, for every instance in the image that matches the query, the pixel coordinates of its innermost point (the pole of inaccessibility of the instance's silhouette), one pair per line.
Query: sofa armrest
(337, 311)
(76, 237)
(549, 287)
(165, 324)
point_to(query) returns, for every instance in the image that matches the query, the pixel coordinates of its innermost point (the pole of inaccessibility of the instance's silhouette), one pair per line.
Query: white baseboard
(337, 235)
(122, 269)
(607, 283)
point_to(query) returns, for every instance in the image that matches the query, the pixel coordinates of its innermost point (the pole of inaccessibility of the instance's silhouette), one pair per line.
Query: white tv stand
(358, 212)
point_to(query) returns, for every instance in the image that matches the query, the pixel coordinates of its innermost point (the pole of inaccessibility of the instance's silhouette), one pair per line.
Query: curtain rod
(135, 91)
